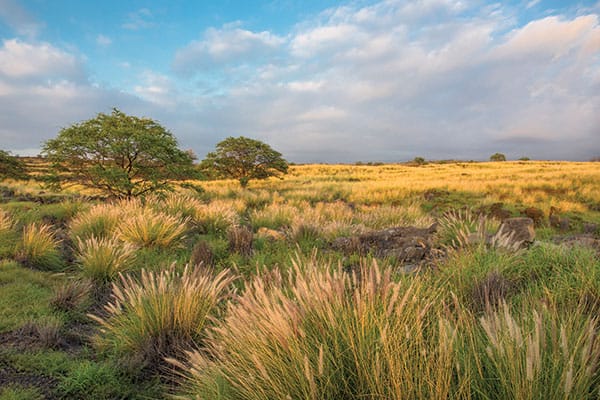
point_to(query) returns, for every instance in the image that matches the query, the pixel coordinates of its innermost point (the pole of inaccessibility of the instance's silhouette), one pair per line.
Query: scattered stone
(433, 194)
(535, 214)
(409, 245)
(582, 240)
(498, 211)
(515, 233)
(590, 228)
(270, 234)
(564, 224)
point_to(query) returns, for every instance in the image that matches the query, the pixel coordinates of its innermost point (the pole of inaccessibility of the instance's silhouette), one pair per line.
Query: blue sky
(332, 81)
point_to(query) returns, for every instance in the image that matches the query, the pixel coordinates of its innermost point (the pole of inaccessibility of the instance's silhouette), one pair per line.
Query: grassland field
(239, 293)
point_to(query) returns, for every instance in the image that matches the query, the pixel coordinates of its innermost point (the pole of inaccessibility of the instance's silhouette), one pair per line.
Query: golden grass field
(186, 284)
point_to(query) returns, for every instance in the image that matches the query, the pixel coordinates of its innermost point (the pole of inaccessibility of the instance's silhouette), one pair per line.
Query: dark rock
(590, 227)
(433, 194)
(515, 232)
(409, 245)
(565, 224)
(582, 240)
(498, 211)
(535, 214)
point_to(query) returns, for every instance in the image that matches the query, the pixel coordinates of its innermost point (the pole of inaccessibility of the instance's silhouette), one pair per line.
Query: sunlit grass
(39, 248)
(161, 314)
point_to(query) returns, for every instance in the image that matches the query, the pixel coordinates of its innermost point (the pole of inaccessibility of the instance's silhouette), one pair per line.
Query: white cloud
(21, 60)
(140, 19)
(225, 45)
(103, 41)
(433, 78)
(389, 81)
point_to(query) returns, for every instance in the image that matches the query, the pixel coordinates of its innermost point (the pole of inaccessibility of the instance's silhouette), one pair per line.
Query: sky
(320, 81)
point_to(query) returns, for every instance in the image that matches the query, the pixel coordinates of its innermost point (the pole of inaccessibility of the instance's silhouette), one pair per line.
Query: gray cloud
(391, 81)
(21, 21)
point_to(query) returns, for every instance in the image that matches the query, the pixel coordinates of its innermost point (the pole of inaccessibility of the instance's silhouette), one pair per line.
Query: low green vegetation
(293, 288)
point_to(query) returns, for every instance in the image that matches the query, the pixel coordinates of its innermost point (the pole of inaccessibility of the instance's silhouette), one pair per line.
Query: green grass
(297, 325)
(24, 295)
(16, 392)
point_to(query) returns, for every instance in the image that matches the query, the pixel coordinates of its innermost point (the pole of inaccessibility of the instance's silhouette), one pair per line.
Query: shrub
(148, 228)
(240, 240)
(39, 248)
(327, 335)
(159, 315)
(101, 260)
(202, 254)
(419, 161)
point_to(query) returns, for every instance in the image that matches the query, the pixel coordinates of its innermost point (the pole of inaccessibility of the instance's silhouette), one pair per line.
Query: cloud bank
(389, 81)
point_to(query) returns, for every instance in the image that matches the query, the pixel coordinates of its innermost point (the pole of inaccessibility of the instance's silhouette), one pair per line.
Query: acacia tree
(243, 159)
(497, 157)
(122, 155)
(11, 167)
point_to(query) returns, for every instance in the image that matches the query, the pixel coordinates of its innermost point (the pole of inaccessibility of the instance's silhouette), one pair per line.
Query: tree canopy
(244, 159)
(11, 166)
(122, 155)
(497, 157)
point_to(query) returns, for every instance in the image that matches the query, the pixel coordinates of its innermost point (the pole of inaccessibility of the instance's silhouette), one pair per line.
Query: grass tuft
(39, 248)
(159, 315)
(101, 260)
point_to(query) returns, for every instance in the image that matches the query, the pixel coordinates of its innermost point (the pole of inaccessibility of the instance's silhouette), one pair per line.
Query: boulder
(535, 214)
(409, 245)
(581, 240)
(515, 233)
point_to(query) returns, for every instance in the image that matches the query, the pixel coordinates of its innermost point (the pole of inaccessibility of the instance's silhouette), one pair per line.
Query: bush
(159, 315)
(240, 240)
(39, 248)
(101, 260)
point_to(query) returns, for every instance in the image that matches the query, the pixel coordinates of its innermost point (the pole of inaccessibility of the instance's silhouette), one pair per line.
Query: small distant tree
(524, 159)
(11, 167)
(122, 155)
(497, 157)
(243, 159)
(419, 161)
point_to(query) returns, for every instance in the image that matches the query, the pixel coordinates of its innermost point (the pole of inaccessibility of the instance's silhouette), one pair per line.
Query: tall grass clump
(216, 217)
(179, 205)
(542, 355)
(160, 314)
(100, 221)
(325, 334)
(460, 228)
(39, 248)
(148, 228)
(101, 260)
(6, 223)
